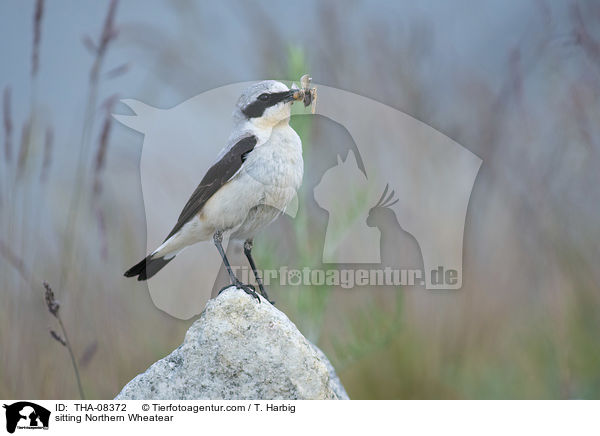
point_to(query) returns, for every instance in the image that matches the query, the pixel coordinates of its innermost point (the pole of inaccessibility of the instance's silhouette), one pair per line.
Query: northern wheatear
(254, 179)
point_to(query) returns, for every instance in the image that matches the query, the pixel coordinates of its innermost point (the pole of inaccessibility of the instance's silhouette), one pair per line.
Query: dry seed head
(51, 302)
(58, 338)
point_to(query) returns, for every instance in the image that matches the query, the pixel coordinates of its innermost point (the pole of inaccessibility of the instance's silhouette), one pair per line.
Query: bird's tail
(147, 267)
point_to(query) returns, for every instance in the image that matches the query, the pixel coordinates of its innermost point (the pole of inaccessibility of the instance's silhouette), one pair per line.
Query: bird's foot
(265, 295)
(248, 289)
(223, 288)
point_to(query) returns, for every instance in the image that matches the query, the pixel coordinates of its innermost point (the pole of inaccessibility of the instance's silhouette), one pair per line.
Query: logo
(26, 415)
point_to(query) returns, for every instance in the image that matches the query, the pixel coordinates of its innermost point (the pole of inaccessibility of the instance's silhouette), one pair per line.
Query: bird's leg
(248, 252)
(218, 239)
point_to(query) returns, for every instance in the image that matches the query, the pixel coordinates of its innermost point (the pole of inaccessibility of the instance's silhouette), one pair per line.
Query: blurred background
(517, 83)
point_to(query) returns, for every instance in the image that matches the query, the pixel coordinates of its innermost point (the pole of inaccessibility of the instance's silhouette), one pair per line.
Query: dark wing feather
(214, 179)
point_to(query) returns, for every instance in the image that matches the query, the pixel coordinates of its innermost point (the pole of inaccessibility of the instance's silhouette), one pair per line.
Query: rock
(334, 381)
(239, 349)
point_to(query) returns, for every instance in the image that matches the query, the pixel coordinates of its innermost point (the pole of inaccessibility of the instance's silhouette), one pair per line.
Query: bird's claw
(248, 289)
(223, 288)
(266, 297)
(264, 294)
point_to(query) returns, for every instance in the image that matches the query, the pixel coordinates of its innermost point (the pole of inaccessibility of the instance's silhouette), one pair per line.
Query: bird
(254, 178)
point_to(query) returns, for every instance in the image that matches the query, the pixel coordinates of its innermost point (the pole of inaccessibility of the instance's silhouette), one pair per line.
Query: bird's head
(267, 103)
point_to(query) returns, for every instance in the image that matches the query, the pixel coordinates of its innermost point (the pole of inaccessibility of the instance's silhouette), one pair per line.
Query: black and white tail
(147, 267)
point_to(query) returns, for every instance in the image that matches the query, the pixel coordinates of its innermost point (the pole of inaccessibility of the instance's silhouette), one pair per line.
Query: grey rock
(334, 381)
(239, 349)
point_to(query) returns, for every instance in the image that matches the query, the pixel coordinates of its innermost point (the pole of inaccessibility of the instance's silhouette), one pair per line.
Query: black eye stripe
(258, 107)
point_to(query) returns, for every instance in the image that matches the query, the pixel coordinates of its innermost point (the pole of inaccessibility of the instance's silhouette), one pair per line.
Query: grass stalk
(54, 309)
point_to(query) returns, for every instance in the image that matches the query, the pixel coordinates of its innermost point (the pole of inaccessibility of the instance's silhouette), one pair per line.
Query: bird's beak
(295, 95)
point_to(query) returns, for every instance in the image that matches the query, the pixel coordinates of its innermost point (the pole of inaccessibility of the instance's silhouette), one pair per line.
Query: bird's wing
(217, 175)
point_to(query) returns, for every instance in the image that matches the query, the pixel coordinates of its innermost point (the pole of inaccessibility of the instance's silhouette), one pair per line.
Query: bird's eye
(263, 97)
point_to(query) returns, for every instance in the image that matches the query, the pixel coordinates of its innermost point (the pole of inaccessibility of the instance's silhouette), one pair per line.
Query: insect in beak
(307, 94)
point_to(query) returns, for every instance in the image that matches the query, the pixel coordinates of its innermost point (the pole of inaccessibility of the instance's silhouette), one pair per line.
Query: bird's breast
(276, 165)
(275, 169)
